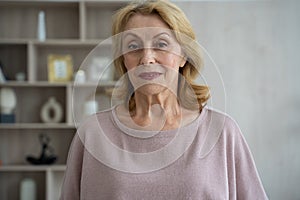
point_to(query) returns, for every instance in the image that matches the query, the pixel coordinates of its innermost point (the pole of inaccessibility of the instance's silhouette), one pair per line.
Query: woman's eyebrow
(130, 34)
(163, 33)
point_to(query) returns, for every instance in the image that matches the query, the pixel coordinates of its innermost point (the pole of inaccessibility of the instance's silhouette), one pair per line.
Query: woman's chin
(151, 89)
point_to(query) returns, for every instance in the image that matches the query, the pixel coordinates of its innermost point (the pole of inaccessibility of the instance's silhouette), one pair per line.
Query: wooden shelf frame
(75, 27)
(32, 168)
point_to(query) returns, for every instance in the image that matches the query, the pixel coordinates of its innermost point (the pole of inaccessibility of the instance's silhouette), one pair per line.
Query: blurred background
(255, 45)
(252, 47)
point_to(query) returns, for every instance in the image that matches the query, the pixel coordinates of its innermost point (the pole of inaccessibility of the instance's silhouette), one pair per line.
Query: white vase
(41, 26)
(28, 189)
(8, 100)
(52, 111)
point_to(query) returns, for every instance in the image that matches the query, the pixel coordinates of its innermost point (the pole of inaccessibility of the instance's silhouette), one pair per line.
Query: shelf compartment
(98, 18)
(10, 184)
(29, 144)
(19, 19)
(82, 94)
(30, 102)
(78, 53)
(13, 59)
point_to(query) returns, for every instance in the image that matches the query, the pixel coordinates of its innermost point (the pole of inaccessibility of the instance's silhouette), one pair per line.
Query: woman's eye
(133, 46)
(161, 45)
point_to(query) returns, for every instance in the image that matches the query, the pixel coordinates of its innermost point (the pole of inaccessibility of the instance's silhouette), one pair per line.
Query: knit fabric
(216, 165)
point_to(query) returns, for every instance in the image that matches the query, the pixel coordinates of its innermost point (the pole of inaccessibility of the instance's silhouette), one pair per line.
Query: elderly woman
(162, 142)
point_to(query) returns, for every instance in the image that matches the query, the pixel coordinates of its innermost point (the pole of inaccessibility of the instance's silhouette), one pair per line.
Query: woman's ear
(183, 61)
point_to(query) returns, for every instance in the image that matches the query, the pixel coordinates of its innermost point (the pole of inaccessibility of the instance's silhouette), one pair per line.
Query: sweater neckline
(144, 134)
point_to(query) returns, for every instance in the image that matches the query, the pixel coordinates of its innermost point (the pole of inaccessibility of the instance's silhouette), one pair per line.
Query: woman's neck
(153, 110)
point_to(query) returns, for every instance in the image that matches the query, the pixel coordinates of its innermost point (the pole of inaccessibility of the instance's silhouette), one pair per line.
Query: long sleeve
(72, 178)
(247, 182)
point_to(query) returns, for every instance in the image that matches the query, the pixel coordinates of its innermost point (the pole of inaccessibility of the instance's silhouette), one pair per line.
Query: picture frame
(60, 68)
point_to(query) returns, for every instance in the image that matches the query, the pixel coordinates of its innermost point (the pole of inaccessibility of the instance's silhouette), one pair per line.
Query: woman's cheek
(129, 62)
(172, 63)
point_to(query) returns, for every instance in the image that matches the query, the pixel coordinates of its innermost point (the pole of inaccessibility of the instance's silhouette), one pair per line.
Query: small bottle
(41, 26)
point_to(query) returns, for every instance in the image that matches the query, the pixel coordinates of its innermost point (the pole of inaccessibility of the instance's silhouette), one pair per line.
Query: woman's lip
(149, 75)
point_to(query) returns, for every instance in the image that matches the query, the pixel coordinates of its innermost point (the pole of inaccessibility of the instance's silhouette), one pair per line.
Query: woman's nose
(148, 56)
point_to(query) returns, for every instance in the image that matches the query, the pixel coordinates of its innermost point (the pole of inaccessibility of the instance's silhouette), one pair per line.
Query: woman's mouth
(149, 75)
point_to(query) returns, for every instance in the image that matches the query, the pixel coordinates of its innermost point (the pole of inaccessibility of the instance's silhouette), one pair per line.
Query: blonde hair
(184, 33)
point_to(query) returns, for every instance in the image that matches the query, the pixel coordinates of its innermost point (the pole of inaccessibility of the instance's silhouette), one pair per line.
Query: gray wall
(256, 47)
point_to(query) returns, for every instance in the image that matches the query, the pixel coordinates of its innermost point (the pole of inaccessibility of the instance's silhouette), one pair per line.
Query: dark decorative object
(47, 156)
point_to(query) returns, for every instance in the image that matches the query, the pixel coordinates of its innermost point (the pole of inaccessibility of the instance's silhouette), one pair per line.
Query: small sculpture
(47, 156)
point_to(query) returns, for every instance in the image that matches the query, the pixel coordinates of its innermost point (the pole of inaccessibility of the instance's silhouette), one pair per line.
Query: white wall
(256, 45)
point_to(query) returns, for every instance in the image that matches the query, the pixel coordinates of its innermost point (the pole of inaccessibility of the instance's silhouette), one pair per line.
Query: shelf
(33, 84)
(13, 41)
(70, 42)
(48, 84)
(36, 126)
(100, 84)
(61, 19)
(56, 42)
(32, 168)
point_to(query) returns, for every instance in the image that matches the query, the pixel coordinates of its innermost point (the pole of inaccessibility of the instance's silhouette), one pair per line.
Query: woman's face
(152, 55)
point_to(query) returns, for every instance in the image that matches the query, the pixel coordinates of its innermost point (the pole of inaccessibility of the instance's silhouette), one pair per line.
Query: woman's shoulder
(219, 128)
(93, 120)
(221, 119)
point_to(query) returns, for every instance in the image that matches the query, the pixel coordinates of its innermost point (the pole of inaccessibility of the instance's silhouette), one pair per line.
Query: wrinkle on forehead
(148, 33)
(139, 20)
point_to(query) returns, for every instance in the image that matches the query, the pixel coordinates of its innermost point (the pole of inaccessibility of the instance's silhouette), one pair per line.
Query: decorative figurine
(47, 156)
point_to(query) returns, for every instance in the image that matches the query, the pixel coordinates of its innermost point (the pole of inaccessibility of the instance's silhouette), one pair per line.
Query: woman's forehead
(148, 33)
(141, 21)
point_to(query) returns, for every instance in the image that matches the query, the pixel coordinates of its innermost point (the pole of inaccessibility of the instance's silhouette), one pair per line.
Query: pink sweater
(216, 163)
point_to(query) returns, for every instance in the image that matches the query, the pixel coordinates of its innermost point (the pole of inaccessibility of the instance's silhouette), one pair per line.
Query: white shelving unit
(73, 27)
